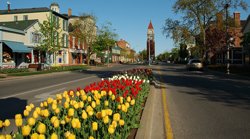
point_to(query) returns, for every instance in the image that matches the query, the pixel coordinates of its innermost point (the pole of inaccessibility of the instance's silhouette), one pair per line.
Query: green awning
(17, 47)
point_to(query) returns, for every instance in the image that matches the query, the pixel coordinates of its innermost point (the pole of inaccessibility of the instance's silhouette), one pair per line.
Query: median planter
(106, 109)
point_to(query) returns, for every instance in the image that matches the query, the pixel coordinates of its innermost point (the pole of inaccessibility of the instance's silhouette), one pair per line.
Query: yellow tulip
(81, 104)
(105, 119)
(94, 126)
(114, 124)
(46, 113)
(57, 110)
(56, 123)
(111, 129)
(71, 136)
(50, 100)
(128, 99)
(52, 119)
(45, 104)
(75, 123)
(1, 124)
(121, 122)
(63, 122)
(110, 93)
(71, 112)
(91, 137)
(6, 123)
(67, 119)
(132, 102)
(19, 122)
(119, 107)
(66, 105)
(32, 105)
(34, 136)
(97, 102)
(26, 113)
(93, 104)
(58, 96)
(41, 105)
(116, 117)
(18, 116)
(106, 103)
(38, 110)
(82, 92)
(124, 108)
(28, 108)
(65, 93)
(90, 113)
(71, 93)
(35, 114)
(2, 137)
(41, 128)
(121, 100)
(26, 130)
(31, 121)
(76, 106)
(89, 99)
(103, 113)
(66, 134)
(41, 136)
(84, 115)
(84, 97)
(54, 136)
(8, 136)
(78, 93)
(89, 108)
(113, 97)
(54, 106)
(127, 104)
(109, 111)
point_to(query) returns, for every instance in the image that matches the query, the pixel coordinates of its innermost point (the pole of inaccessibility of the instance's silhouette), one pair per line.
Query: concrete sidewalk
(152, 121)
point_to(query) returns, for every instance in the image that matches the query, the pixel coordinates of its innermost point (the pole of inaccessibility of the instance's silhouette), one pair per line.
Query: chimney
(237, 19)
(219, 20)
(8, 3)
(69, 12)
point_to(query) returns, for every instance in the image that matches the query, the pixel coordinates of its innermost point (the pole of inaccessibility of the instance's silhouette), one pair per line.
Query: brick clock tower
(151, 42)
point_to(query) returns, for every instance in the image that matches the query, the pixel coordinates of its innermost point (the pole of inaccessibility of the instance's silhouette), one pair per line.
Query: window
(79, 43)
(65, 40)
(73, 42)
(25, 17)
(15, 18)
(35, 37)
(65, 25)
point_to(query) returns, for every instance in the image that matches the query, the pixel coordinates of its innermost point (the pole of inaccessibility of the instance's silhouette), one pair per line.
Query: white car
(194, 64)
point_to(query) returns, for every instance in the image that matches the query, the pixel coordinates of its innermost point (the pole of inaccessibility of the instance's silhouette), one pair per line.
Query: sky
(129, 18)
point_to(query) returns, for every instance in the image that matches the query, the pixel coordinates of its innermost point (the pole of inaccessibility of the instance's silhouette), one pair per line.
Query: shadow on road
(229, 90)
(11, 106)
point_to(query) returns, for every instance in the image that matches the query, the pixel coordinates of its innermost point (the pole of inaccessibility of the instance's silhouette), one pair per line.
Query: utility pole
(227, 43)
(149, 53)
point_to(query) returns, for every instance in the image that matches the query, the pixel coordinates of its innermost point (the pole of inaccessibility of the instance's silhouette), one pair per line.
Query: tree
(143, 55)
(51, 42)
(106, 39)
(85, 30)
(246, 44)
(183, 52)
(197, 16)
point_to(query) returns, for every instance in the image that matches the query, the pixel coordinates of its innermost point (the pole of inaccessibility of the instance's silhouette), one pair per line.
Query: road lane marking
(44, 96)
(39, 89)
(168, 128)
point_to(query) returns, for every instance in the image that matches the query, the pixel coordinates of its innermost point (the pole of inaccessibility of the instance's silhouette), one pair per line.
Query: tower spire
(150, 26)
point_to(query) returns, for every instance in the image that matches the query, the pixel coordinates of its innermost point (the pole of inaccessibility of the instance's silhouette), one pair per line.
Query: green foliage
(183, 52)
(13, 70)
(143, 55)
(50, 30)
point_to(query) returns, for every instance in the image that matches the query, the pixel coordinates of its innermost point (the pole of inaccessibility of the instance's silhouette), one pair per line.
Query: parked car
(194, 64)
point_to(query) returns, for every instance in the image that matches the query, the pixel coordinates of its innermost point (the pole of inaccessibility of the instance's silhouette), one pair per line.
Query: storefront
(13, 54)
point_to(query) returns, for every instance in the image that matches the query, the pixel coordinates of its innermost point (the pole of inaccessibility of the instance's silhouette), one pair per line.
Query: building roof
(31, 10)
(245, 24)
(150, 26)
(72, 16)
(19, 25)
(54, 4)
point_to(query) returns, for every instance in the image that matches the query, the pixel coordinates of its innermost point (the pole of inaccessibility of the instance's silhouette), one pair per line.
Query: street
(206, 105)
(201, 104)
(15, 94)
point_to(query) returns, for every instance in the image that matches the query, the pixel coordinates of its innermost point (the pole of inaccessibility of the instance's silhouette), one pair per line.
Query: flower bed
(106, 109)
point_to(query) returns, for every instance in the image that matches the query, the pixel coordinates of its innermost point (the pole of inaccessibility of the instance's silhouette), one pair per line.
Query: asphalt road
(16, 93)
(206, 105)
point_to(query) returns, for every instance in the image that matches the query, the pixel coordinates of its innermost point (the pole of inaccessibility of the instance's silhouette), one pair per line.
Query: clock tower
(150, 42)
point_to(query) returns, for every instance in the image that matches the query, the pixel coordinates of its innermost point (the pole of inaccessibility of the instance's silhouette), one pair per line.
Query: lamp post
(227, 43)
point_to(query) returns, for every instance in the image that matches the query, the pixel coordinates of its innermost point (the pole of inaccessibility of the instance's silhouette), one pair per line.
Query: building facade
(150, 42)
(41, 14)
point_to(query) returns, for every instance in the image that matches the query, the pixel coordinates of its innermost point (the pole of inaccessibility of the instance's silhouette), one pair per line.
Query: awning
(17, 47)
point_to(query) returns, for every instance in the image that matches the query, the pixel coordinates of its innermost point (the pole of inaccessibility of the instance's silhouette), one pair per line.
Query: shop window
(36, 37)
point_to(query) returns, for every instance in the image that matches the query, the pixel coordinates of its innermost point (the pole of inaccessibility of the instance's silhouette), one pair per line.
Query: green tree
(106, 39)
(85, 30)
(183, 52)
(51, 41)
(143, 55)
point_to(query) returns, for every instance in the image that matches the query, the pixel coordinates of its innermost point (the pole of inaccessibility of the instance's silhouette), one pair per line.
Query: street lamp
(227, 41)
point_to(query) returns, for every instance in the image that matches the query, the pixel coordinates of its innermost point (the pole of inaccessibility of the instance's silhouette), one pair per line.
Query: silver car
(194, 64)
